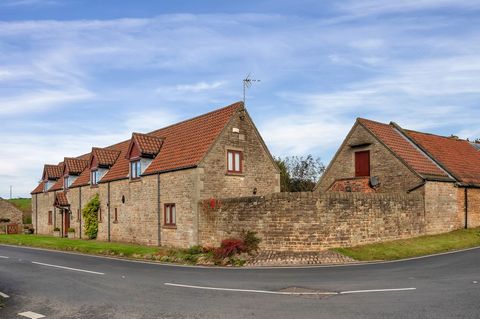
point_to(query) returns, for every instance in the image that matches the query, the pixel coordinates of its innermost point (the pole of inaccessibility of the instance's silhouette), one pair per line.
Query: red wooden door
(66, 223)
(362, 163)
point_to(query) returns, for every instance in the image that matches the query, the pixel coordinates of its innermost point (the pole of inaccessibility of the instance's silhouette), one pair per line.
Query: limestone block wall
(473, 209)
(393, 175)
(9, 211)
(441, 211)
(314, 221)
(259, 172)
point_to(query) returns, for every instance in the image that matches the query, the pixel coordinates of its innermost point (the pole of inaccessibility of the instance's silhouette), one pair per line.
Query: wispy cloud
(19, 3)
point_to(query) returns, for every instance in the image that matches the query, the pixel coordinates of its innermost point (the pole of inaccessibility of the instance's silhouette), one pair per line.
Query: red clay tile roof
(403, 148)
(457, 156)
(38, 189)
(61, 200)
(83, 179)
(184, 146)
(52, 171)
(148, 144)
(57, 186)
(105, 156)
(75, 166)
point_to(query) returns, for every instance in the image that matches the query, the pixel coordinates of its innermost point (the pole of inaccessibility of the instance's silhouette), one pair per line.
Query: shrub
(251, 240)
(230, 247)
(27, 220)
(56, 229)
(71, 230)
(90, 215)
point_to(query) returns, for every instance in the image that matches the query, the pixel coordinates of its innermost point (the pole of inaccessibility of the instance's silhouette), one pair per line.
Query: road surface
(63, 285)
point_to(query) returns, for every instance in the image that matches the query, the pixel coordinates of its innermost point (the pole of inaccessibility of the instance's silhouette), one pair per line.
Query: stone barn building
(385, 158)
(150, 185)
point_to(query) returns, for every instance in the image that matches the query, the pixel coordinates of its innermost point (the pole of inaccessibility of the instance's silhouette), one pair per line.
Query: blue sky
(76, 74)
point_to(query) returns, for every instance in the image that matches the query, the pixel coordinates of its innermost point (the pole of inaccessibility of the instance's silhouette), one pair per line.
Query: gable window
(362, 164)
(94, 177)
(234, 161)
(135, 169)
(170, 215)
(49, 217)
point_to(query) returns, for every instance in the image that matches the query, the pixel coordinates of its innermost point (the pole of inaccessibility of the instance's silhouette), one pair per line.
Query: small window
(66, 183)
(135, 169)
(94, 177)
(49, 217)
(362, 164)
(78, 215)
(170, 215)
(115, 216)
(45, 187)
(234, 161)
(100, 215)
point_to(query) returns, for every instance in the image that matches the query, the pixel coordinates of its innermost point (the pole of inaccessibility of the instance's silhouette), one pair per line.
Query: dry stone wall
(314, 221)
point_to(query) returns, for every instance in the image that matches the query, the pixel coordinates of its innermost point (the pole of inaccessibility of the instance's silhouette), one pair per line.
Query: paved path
(62, 285)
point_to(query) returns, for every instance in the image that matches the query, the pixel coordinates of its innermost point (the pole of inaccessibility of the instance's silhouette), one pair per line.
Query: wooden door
(66, 222)
(362, 163)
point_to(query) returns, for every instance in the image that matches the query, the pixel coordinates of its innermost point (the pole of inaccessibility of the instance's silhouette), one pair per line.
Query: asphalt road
(446, 286)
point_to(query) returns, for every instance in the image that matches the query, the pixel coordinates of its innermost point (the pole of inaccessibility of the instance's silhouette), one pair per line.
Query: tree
(298, 173)
(90, 216)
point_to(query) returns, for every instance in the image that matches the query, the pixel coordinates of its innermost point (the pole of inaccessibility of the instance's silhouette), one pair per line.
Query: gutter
(36, 214)
(466, 206)
(80, 208)
(159, 222)
(416, 187)
(108, 210)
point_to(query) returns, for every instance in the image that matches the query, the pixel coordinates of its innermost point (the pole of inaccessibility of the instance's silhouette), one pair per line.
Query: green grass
(80, 245)
(24, 204)
(424, 245)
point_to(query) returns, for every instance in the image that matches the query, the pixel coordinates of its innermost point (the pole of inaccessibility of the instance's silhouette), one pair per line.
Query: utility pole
(11, 191)
(247, 83)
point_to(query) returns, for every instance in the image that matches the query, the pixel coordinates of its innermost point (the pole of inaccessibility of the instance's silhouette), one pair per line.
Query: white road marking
(4, 295)
(5, 257)
(287, 292)
(252, 290)
(375, 290)
(31, 315)
(68, 268)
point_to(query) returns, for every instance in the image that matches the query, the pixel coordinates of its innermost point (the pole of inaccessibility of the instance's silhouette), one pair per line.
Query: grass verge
(195, 255)
(413, 247)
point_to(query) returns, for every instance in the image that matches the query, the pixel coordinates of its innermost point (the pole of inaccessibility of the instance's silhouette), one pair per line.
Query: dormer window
(94, 177)
(135, 169)
(66, 183)
(142, 150)
(45, 187)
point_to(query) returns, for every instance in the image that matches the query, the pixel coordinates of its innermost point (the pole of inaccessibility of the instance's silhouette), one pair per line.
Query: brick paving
(288, 258)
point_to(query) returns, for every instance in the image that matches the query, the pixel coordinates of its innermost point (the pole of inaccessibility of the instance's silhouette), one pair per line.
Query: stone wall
(259, 171)
(441, 211)
(358, 185)
(393, 175)
(473, 211)
(9, 211)
(314, 221)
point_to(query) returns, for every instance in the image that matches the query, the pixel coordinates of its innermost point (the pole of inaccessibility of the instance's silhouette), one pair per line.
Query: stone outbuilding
(150, 185)
(9, 214)
(385, 158)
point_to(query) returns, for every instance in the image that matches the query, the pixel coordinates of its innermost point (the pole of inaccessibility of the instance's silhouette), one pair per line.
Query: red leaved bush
(230, 247)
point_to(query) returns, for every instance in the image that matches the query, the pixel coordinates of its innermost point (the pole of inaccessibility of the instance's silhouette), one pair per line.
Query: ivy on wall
(90, 217)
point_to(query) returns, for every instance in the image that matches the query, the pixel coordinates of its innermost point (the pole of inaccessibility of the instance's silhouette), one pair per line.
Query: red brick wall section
(358, 185)
(314, 221)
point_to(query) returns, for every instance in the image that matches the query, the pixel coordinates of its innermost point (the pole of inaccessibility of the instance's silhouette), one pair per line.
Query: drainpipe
(36, 214)
(108, 210)
(80, 208)
(466, 206)
(159, 222)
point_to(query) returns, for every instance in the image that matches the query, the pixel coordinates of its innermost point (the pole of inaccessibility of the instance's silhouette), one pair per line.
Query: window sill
(135, 180)
(94, 186)
(234, 174)
(169, 227)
